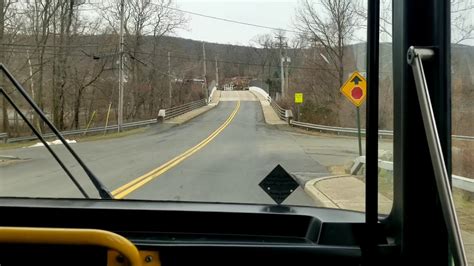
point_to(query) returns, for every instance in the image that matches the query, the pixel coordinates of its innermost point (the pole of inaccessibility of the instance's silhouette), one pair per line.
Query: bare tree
(462, 27)
(83, 78)
(267, 54)
(67, 13)
(461, 21)
(10, 24)
(5, 117)
(262, 44)
(39, 17)
(360, 10)
(9, 30)
(144, 19)
(166, 22)
(329, 25)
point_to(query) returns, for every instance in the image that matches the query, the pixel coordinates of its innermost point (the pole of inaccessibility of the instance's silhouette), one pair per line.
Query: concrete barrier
(261, 92)
(211, 94)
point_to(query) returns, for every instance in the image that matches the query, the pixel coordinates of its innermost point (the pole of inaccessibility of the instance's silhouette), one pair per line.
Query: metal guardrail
(337, 130)
(170, 113)
(353, 131)
(340, 130)
(459, 137)
(463, 183)
(181, 109)
(3, 137)
(84, 131)
(460, 182)
(278, 109)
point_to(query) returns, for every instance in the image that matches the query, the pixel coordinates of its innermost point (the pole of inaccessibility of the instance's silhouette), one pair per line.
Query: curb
(263, 112)
(317, 195)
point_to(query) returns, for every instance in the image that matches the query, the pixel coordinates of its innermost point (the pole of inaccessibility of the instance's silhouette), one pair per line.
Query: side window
(462, 85)
(385, 176)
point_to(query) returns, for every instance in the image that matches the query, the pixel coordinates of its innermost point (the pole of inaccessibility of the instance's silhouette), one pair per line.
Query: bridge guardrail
(278, 109)
(3, 137)
(170, 113)
(339, 130)
(261, 92)
(352, 131)
(181, 109)
(460, 182)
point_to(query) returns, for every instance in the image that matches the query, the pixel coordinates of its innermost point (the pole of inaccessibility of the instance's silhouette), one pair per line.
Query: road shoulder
(271, 117)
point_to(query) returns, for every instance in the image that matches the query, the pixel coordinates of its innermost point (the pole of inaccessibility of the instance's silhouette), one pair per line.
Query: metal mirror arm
(414, 58)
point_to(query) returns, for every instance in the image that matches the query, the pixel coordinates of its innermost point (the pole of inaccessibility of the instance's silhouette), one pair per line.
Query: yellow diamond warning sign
(355, 89)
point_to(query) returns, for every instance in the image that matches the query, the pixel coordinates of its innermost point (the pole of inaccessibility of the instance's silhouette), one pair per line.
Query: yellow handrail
(68, 236)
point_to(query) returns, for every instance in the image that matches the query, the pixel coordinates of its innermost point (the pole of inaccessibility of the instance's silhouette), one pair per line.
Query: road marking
(135, 184)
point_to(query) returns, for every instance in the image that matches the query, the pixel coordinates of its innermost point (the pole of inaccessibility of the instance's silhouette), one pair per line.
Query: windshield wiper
(104, 193)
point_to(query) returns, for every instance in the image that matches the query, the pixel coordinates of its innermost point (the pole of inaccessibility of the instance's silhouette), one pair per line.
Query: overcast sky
(272, 13)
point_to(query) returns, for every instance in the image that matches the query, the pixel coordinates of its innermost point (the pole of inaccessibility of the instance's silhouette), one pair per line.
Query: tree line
(66, 53)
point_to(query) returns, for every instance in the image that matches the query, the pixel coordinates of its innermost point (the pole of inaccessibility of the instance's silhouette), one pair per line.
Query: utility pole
(169, 78)
(280, 38)
(6, 126)
(217, 74)
(204, 70)
(287, 76)
(121, 76)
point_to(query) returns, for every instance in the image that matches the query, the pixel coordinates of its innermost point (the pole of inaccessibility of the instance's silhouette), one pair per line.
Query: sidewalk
(271, 117)
(344, 192)
(348, 192)
(180, 119)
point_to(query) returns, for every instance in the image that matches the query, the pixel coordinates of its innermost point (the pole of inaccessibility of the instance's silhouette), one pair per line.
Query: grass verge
(464, 201)
(78, 138)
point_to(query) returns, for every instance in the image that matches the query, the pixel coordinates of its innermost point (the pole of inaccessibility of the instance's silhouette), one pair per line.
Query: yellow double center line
(135, 184)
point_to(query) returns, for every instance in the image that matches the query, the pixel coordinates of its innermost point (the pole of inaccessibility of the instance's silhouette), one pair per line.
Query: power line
(46, 53)
(50, 49)
(231, 20)
(17, 48)
(55, 46)
(22, 49)
(232, 62)
(196, 14)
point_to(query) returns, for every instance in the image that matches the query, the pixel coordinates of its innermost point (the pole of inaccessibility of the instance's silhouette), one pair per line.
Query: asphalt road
(227, 169)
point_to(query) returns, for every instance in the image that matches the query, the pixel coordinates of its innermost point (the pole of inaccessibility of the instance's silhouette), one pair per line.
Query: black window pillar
(416, 218)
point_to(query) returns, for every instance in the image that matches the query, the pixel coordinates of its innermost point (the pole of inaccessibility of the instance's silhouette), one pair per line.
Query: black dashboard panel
(204, 233)
(52, 255)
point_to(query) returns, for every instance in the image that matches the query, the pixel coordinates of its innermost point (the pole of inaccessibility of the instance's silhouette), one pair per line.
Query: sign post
(358, 131)
(298, 101)
(355, 90)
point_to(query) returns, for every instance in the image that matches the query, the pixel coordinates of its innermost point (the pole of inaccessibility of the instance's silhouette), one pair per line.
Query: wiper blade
(46, 145)
(104, 193)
